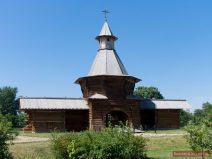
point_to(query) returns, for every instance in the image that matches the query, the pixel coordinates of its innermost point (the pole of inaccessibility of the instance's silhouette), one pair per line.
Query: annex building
(107, 96)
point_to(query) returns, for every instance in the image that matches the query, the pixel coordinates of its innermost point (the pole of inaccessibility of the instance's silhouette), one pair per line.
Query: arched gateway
(116, 118)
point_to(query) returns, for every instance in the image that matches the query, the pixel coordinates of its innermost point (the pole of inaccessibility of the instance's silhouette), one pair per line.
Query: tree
(199, 136)
(5, 135)
(8, 107)
(207, 109)
(204, 113)
(7, 100)
(148, 93)
(185, 117)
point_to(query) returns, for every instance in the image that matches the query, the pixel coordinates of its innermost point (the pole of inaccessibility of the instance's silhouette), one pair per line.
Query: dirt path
(158, 135)
(23, 139)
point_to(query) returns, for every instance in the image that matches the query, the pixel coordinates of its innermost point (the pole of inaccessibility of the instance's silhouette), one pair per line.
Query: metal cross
(105, 12)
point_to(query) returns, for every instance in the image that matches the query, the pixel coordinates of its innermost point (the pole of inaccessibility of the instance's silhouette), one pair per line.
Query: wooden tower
(108, 88)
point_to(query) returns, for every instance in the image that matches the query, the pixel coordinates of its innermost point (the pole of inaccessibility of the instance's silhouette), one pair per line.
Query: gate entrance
(116, 118)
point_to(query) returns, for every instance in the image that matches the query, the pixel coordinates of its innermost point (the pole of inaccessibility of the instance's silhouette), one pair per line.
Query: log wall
(168, 118)
(45, 121)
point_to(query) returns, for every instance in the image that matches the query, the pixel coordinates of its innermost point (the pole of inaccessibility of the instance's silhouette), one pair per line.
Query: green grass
(36, 150)
(171, 131)
(163, 147)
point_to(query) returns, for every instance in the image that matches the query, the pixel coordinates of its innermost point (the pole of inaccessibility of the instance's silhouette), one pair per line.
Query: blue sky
(45, 45)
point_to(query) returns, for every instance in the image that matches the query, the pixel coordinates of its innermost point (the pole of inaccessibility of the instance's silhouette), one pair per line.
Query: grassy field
(36, 150)
(162, 147)
(158, 147)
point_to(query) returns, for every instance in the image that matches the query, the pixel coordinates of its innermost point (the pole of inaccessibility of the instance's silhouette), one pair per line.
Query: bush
(5, 135)
(21, 120)
(60, 144)
(106, 144)
(199, 136)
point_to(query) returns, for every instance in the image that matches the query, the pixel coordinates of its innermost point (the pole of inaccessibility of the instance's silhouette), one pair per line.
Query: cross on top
(105, 12)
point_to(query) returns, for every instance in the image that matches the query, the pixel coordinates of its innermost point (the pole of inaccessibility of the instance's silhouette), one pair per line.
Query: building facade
(107, 98)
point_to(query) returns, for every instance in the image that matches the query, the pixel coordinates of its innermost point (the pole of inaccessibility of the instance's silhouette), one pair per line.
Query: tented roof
(106, 31)
(107, 62)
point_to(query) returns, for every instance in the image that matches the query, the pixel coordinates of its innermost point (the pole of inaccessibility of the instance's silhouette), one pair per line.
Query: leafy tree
(5, 135)
(185, 117)
(7, 100)
(148, 93)
(204, 113)
(207, 109)
(198, 113)
(8, 106)
(199, 136)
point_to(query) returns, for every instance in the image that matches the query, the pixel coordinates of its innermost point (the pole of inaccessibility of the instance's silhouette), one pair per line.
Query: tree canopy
(204, 113)
(9, 108)
(7, 100)
(185, 117)
(148, 93)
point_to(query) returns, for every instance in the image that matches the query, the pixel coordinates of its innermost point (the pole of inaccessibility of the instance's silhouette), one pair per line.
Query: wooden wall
(114, 87)
(44, 121)
(65, 120)
(168, 118)
(76, 120)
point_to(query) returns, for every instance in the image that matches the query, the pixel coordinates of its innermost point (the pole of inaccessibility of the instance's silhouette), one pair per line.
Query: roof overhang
(130, 78)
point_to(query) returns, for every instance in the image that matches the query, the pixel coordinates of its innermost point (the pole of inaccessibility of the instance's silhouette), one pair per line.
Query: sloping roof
(98, 96)
(52, 103)
(164, 104)
(107, 62)
(106, 30)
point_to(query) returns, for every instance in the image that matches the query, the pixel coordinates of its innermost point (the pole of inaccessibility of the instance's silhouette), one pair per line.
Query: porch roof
(165, 104)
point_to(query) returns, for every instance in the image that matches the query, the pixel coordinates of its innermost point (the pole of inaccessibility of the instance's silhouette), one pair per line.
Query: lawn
(162, 147)
(36, 150)
(158, 147)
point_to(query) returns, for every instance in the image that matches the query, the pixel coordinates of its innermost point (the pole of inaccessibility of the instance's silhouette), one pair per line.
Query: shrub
(60, 144)
(21, 120)
(199, 136)
(5, 135)
(106, 144)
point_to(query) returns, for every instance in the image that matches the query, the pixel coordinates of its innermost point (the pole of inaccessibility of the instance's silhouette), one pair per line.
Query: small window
(108, 39)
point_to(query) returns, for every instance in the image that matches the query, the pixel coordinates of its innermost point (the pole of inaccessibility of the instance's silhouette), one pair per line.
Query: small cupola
(106, 38)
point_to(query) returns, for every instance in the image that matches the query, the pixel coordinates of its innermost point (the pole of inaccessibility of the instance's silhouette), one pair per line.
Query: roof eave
(81, 78)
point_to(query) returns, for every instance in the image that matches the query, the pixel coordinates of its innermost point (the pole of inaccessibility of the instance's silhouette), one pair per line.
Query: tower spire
(105, 13)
